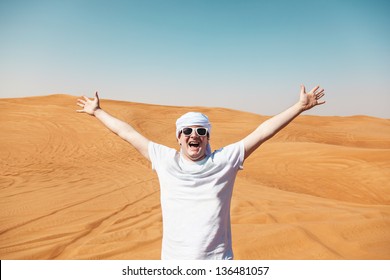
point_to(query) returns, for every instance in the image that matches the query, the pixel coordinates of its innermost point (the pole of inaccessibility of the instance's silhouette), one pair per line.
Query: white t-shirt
(195, 201)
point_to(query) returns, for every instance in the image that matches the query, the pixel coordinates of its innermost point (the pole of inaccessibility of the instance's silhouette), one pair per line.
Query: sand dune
(70, 189)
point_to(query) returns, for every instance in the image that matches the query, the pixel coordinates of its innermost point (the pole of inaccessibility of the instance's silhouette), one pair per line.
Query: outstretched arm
(121, 128)
(273, 125)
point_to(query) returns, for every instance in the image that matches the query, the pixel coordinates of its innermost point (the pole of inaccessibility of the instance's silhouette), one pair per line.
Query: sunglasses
(201, 131)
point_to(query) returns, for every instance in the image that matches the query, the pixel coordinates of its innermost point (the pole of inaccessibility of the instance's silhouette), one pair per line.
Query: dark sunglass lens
(201, 131)
(187, 131)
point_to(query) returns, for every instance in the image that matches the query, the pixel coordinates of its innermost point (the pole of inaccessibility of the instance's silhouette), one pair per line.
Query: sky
(246, 55)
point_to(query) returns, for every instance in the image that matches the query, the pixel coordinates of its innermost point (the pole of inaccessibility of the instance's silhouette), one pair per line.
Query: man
(196, 184)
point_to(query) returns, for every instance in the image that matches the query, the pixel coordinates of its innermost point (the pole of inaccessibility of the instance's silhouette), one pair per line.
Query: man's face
(193, 146)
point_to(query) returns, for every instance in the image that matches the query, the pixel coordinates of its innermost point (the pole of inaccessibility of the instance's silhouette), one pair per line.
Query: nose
(193, 134)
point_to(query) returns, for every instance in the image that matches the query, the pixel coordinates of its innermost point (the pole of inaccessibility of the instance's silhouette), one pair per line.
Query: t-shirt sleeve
(235, 154)
(158, 153)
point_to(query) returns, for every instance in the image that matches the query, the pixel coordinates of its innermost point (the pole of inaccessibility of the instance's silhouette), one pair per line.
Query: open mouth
(193, 144)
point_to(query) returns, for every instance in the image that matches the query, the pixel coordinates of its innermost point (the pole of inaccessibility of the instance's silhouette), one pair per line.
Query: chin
(195, 156)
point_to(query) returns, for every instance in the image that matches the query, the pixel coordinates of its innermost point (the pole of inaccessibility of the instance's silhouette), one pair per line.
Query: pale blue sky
(246, 55)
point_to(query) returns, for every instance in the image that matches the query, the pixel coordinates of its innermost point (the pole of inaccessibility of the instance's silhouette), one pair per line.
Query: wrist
(97, 111)
(299, 107)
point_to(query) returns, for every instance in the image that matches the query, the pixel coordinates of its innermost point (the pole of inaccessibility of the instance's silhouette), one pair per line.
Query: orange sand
(70, 189)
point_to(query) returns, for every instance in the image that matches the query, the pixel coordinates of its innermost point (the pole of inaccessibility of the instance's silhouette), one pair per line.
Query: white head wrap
(194, 118)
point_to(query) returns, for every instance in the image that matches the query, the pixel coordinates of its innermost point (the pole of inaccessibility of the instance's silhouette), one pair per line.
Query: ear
(178, 138)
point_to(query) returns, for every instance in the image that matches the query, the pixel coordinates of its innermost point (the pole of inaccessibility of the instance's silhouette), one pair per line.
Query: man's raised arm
(273, 125)
(121, 128)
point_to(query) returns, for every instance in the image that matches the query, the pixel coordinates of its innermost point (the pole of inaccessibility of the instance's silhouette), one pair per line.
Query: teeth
(191, 144)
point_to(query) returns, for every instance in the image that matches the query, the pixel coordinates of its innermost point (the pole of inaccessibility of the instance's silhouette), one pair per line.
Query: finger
(319, 95)
(96, 95)
(315, 89)
(80, 111)
(320, 102)
(303, 89)
(81, 104)
(81, 101)
(86, 98)
(321, 92)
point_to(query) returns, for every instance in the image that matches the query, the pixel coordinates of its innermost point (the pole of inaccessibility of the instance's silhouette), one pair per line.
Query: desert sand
(71, 189)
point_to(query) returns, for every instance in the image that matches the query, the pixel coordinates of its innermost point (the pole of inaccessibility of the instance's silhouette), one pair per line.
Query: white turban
(194, 118)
